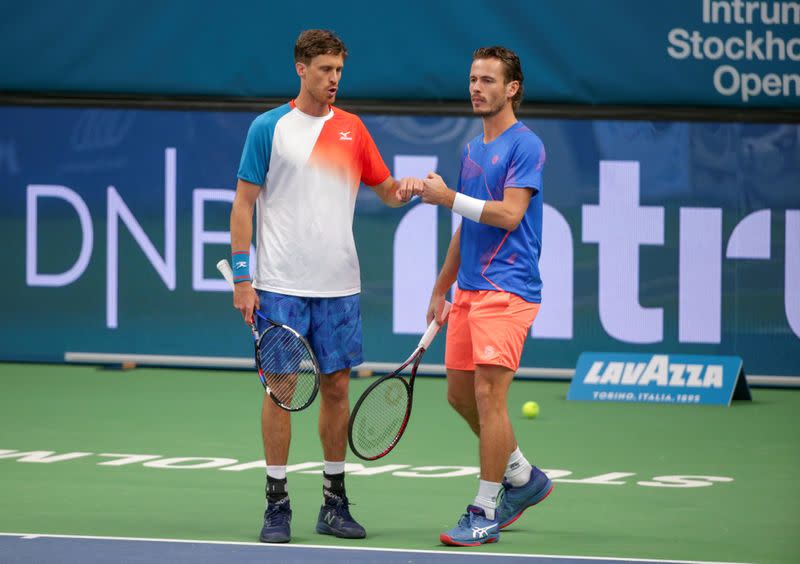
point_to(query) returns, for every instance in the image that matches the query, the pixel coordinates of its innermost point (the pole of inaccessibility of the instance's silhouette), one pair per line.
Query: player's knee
(335, 390)
(487, 397)
(463, 405)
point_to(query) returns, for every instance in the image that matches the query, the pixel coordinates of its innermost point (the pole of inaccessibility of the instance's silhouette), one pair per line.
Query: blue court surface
(28, 548)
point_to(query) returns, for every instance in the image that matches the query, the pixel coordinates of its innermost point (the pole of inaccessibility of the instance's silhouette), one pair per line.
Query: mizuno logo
(240, 264)
(345, 136)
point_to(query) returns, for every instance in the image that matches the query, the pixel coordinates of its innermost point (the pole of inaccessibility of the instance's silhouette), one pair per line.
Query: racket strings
(379, 419)
(287, 367)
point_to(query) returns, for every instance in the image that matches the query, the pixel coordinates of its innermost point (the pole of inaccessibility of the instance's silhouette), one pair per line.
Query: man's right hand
(408, 187)
(436, 309)
(245, 300)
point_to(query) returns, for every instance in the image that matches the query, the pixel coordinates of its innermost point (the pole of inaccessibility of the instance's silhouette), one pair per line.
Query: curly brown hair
(511, 63)
(313, 42)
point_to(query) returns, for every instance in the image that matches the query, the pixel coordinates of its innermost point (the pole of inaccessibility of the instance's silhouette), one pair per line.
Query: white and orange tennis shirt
(309, 169)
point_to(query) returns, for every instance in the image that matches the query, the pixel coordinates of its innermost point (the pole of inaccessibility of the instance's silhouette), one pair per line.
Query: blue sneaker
(335, 519)
(277, 521)
(515, 500)
(473, 529)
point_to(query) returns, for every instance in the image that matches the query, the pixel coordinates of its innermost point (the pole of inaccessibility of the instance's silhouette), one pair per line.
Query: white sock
(487, 497)
(276, 472)
(332, 468)
(518, 470)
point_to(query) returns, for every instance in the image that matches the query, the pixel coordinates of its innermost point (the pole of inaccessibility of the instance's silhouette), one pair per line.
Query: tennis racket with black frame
(381, 414)
(286, 364)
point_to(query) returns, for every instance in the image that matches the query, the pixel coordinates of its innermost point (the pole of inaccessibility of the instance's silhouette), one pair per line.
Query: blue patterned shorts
(331, 325)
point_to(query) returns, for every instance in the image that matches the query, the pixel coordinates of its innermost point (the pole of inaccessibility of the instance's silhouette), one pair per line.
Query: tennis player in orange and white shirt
(301, 168)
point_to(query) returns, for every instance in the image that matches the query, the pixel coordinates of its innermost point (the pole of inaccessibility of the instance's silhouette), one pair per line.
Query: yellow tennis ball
(530, 409)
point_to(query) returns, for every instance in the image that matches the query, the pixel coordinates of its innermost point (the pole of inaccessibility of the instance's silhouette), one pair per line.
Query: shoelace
(276, 515)
(474, 519)
(341, 504)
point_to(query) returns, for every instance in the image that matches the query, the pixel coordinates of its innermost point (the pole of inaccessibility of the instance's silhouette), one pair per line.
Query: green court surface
(617, 467)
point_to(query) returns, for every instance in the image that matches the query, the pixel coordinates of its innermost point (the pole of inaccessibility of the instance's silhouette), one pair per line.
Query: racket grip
(225, 269)
(433, 328)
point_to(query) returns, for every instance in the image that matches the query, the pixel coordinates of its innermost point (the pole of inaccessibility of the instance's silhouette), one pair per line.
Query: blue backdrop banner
(658, 236)
(683, 52)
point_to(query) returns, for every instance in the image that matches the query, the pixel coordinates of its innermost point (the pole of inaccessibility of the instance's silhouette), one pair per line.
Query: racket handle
(433, 328)
(225, 269)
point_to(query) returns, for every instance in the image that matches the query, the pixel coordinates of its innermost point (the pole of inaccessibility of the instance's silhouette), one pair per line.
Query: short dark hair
(313, 42)
(511, 63)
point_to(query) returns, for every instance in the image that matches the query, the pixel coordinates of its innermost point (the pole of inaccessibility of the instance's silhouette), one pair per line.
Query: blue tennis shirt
(493, 258)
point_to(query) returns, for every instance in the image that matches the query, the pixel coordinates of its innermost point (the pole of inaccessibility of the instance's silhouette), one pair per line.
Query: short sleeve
(373, 169)
(254, 164)
(527, 162)
(464, 153)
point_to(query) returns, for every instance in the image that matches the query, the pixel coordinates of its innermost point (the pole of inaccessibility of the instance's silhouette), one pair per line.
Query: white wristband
(468, 207)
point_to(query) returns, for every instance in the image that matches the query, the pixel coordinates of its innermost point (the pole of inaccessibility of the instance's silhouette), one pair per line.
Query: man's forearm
(241, 227)
(449, 273)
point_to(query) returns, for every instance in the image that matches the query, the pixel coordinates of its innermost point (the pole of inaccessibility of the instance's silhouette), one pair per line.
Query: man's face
(487, 87)
(321, 77)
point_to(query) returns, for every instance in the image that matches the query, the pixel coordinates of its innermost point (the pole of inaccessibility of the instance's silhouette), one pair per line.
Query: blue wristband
(241, 266)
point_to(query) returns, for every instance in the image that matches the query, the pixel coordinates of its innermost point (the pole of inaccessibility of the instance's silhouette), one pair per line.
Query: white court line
(363, 548)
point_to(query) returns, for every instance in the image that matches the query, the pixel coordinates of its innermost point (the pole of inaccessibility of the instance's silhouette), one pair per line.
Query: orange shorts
(487, 327)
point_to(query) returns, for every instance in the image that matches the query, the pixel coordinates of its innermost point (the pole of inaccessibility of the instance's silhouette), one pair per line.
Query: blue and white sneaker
(277, 522)
(515, 500)
(335, 519)
(473, 529)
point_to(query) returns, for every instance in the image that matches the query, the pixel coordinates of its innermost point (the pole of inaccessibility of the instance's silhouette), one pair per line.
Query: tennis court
(634, 169)
(175, 454)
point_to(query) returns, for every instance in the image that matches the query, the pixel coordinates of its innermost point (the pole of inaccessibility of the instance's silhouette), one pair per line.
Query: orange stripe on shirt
(345, 146)
(497, 250)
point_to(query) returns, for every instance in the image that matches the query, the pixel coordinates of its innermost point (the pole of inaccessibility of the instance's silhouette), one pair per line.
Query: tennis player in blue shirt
(494, 256)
